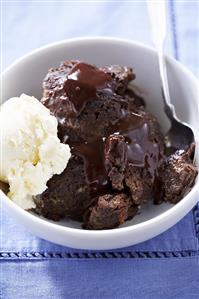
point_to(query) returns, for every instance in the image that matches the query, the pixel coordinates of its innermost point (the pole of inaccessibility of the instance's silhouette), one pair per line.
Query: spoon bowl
(180, 134)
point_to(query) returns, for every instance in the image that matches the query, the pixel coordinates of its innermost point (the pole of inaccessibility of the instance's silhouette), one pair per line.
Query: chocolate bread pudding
(118, 159)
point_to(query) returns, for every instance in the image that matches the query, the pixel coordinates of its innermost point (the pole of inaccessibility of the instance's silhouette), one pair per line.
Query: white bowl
(26, 75)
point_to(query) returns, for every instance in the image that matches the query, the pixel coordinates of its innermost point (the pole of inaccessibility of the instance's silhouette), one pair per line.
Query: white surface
(184, 92)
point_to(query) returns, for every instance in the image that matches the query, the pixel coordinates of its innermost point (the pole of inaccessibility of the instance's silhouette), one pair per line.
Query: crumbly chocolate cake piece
(122, 76)
(177, 175)
(102, 113)
(117, 149)
(116, 160)
(102, 105)
(123, 172)
(56, 77)
(140, 183)
(110, 211)
(95, 120)
(136, 102)
(67, 195)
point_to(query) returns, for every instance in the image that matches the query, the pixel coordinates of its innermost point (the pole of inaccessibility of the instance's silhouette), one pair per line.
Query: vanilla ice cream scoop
(31, 152)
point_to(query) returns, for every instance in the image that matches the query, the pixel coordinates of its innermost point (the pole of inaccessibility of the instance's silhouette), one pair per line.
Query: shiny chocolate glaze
(141, 151)
(82, 84)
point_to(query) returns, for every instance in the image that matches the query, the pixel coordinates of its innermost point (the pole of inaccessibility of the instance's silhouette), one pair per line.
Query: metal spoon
(180, 135)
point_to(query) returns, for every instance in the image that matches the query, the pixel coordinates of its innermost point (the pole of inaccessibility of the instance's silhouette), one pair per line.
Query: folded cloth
(166, 266)
(181, 237)
(172, 278)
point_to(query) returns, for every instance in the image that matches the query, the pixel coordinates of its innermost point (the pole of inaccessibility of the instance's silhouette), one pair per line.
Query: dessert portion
(118, 159)
(110, 211)
(176, 175)
(88, 150)
(31, 152)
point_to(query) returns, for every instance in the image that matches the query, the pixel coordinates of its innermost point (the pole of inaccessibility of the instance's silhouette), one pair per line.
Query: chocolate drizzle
(141, 151)
(93, 157)
(82, 84)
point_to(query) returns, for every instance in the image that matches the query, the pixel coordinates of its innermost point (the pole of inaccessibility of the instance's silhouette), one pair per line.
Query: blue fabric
(180, 237)
(164, 267)
(102, 279)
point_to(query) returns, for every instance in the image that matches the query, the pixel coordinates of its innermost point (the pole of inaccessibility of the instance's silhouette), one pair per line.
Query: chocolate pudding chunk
(76, 92)
(67, 195)
(177, 175)
(109, 212)
(118, 157)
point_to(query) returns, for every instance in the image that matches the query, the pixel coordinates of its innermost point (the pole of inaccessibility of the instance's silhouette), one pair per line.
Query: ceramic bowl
(26, 75)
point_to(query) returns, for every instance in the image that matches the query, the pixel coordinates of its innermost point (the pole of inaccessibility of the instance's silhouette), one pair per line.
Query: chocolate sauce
(141, 151)
(82, 84)
(93, 156)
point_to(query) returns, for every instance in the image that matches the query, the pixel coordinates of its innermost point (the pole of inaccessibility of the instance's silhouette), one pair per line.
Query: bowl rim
(116, 231)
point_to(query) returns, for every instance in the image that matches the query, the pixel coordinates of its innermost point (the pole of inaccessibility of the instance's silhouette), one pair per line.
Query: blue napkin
(164, 267)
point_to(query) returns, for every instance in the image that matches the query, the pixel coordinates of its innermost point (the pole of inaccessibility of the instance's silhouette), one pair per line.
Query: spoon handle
(157, 15)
